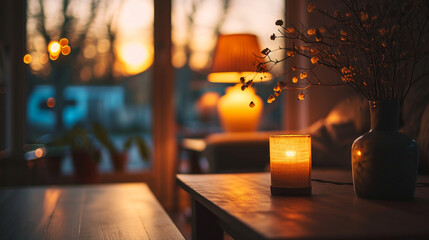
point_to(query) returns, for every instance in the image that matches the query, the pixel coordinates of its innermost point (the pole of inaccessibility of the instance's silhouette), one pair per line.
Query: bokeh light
(53, 57)
(51, 102)
(66, 50)
(64, 42)
(38, 153)
(209, 99)
(135, 57)
(27, 58)
(54, 48)
(179, 58)
(89, 51)
(199, 61)
(206, 105)
(103, 45)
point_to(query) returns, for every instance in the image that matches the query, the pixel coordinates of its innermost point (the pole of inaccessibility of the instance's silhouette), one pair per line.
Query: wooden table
(241, 204)
(111, 211)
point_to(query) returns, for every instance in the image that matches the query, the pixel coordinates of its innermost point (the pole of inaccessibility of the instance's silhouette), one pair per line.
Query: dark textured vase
(384, 160)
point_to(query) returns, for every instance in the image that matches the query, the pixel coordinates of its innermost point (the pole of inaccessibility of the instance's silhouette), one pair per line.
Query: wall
(12, 37)
(318, 100)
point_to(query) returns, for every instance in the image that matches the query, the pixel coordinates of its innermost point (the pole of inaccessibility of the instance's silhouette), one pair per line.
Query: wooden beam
(164, 130)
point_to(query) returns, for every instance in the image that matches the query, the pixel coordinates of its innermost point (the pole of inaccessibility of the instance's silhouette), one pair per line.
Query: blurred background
(107, 76)
(78, 80)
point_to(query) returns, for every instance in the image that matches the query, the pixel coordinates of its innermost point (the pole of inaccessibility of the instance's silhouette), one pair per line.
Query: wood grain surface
(111, 211)
(246, 210)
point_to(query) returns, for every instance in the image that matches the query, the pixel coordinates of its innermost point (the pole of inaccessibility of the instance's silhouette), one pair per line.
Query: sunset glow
(135, 57)
(132, 24)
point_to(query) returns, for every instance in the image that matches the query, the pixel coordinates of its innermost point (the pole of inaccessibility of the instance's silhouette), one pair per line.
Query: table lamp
(236, 56)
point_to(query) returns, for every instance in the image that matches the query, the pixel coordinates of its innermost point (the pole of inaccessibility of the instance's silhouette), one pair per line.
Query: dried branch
(376, 47)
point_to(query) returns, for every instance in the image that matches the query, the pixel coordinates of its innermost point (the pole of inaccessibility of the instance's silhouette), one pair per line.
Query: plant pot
(85, 166)
(54, 165)
(54, 159)
(384, 160)
(119, 161)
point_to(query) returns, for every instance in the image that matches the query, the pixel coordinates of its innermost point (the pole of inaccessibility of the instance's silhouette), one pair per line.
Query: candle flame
(290, 153)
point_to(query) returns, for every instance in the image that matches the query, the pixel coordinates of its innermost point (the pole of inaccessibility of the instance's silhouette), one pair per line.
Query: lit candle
(290, 164)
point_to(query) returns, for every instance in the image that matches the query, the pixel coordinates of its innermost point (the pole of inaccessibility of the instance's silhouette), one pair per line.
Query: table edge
(222, 215)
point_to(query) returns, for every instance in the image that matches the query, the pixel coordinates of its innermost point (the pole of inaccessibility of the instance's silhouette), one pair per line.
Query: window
(90, 63)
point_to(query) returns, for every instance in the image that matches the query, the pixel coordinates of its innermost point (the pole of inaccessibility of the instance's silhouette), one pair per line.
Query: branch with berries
(379, 49)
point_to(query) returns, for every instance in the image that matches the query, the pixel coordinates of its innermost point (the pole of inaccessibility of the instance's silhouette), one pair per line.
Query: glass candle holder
(290, 165)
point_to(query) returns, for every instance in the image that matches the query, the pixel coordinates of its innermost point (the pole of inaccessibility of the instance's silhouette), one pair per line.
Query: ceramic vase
(384, 160)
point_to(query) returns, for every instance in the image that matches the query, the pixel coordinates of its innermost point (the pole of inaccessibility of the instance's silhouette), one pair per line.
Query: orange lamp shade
(234, 111)
(236, 56)
(290, 164)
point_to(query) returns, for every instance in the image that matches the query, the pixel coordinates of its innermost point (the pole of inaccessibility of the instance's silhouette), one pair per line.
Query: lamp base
(279, 191)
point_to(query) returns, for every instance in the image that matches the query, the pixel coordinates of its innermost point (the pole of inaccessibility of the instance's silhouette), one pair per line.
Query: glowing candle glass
(290, 165)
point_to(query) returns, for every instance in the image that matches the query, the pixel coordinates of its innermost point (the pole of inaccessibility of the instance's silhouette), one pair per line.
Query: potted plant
(56, 149)
(85, 155)
(119, 157)
(378, 48)
(54, 158)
